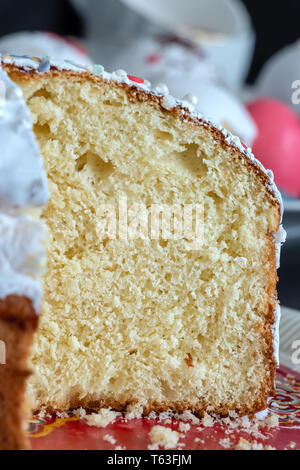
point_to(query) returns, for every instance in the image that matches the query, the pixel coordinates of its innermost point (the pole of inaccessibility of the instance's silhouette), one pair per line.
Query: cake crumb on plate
(184, 427)
(101, 419)
(134, 411)
(110, 439)
(80, 412)
(226, 443)
(243, 444)
(163, 437)
(207, 421)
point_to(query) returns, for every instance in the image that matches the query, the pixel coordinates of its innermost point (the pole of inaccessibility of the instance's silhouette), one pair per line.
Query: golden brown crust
(18, 322)
(18, 310)
(199, 409)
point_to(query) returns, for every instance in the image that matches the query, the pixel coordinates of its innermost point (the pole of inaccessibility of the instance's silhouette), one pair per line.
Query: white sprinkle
(162, 88)
(235, 139)
(169, 102)
(98, 69)
(191, 99)
(121, 73)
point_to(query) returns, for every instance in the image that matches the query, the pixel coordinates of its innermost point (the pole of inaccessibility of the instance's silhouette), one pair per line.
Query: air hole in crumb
(162, 135)
(41, 93)
(214, 196)
(112, 103)
(190, 160)
(41, 130)
(134, 351)
(200, 338)
(94, 166)
(81, 162)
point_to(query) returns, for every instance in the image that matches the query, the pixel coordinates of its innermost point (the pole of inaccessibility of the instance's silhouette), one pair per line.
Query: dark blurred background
(58, 16)
(276, 24)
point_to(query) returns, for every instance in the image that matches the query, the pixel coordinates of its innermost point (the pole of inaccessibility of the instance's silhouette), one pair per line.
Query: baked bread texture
(18, 323)
(155, 320)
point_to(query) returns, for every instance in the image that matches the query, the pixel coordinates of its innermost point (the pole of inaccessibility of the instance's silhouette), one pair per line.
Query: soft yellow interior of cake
(138, 320)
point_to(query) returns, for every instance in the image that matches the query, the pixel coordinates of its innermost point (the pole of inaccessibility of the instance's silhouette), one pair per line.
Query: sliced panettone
(129, 316)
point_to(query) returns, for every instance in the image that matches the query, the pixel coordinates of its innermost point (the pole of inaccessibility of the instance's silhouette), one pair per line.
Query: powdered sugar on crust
(275, 330)
(187, 104)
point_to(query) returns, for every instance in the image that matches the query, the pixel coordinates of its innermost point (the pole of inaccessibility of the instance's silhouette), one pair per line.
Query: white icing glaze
(23, 185)
(275, 331)
(21, 257)
(23, 181)
(192, 99)
(188, 108)
(162, 89)
(280, 238)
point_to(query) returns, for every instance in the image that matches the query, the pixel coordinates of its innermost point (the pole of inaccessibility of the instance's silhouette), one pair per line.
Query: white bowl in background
(41, 43)
(221, 27)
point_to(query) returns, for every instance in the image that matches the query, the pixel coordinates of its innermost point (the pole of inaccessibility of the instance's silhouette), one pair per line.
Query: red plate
(73, 433)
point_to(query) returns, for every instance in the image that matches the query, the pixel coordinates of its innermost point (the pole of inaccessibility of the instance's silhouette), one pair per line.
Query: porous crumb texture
(137, 321)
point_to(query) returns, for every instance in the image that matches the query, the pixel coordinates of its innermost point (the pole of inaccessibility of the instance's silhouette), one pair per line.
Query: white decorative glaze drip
(275, 330)
(192, 99)
(23, 185)
(162, 89)
(22, 257)
(23, 181)
(188, 109)
(280, 238)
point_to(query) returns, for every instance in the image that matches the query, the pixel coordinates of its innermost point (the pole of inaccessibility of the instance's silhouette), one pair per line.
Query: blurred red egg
(277, 145)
